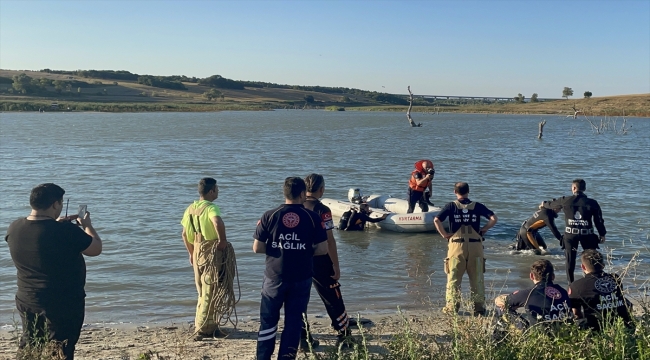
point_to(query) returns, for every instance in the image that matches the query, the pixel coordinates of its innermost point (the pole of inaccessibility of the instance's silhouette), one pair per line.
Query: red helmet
(419, 163)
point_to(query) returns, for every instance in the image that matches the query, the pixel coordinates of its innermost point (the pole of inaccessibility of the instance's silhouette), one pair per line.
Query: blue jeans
(294, 296)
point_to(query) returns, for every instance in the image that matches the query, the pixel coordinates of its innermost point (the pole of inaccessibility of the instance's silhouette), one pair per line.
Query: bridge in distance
(485, 98)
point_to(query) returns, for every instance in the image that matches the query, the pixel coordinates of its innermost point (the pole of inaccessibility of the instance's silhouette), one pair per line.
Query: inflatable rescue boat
(398, 220)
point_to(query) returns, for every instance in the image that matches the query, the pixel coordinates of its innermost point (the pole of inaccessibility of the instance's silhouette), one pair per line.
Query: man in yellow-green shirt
(204, 235)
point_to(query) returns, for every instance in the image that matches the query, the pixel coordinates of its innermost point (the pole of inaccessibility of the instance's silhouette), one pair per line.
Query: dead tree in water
(575, 112)
(408, 112)
(541, 129)
(609, 124)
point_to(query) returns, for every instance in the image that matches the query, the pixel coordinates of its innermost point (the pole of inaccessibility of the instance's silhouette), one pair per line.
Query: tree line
(24, 84)
(566, 92)
(220, 82)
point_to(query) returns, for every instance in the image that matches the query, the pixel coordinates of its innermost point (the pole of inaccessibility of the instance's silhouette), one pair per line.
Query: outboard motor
(354, 195)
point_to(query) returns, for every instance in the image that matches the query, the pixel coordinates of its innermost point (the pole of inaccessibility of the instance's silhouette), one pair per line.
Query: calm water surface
(138, 172)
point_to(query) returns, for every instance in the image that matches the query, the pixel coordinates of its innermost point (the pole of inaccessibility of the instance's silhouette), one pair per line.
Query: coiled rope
(220, 272)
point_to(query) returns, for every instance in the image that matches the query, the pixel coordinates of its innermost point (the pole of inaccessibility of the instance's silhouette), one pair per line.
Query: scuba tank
(343, 223)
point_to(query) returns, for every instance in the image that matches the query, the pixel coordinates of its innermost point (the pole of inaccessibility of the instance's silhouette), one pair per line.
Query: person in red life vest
(420, 181)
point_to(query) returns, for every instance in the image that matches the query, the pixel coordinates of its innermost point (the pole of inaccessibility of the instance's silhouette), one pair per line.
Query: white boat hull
(398, 220)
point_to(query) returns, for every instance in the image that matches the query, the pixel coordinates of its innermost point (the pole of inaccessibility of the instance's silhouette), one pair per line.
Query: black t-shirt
(322, 210)
(600, 297)
(544, 302)
(290, 233)
(48, 260)
(458, 217)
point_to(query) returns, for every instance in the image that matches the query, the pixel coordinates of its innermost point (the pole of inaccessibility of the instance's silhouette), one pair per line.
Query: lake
(138, 172)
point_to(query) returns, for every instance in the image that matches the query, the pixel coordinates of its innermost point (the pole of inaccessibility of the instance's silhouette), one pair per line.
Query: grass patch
(128, 107)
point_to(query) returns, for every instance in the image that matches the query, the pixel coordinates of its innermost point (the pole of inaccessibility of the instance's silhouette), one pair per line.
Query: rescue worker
(545, 301)
(581, 214)
(465, 252)
(598, 297)
(326, 267)
(420, 181)
(204, 235)
(529, 238)
(290, 236)
(358, 218)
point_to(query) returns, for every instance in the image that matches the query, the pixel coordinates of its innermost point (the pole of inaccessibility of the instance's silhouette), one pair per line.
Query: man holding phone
(48, 254)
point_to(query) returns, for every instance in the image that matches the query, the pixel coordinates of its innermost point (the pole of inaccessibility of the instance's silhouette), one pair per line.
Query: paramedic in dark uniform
(581, 214)
(290, 236)
(545, 301)
(420, 181)
(465, 253)
(529, 238)
(598, 297)
(326, 267)
(358, 218)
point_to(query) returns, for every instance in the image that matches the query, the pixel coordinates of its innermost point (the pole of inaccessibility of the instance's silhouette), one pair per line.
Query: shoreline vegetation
(403, 335)
(121, 91)
(423, 335)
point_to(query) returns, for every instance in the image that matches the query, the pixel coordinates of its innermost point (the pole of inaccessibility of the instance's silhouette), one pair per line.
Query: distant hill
(108, 90)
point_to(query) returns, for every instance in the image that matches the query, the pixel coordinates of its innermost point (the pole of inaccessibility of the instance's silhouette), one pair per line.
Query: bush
(220, 82)
(335, 108)
(212, 94)
(161, 82)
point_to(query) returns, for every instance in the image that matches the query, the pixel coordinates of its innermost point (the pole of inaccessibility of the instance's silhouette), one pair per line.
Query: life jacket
(343, 222)
(419, 169)
(466, 231)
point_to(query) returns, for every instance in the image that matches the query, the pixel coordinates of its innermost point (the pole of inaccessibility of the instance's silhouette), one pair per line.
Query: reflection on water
(138, 172)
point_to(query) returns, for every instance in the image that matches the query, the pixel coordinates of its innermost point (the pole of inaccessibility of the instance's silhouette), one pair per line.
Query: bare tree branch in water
(575, 112)
(609, 124)
(541, 129)
(408, 112)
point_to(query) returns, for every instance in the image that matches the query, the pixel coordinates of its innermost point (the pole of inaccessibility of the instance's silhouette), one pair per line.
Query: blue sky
(476, 48)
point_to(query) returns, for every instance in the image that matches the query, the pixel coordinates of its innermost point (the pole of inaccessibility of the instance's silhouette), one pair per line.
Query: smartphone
(82, 211)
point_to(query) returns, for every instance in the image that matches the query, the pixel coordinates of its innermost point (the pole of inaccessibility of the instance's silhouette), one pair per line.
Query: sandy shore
(174, 341)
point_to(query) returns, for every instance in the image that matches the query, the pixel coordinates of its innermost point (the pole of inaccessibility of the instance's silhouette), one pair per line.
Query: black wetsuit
(581, 214)
(529, 238)
(600, 298)
(358, 221)
(328, 289)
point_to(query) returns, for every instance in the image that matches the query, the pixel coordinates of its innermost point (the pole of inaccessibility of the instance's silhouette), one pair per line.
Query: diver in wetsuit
(581, 215)
(358, 218)
(529, 238)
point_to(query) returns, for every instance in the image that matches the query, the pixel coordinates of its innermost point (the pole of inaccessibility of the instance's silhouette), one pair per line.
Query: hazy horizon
(469, 48)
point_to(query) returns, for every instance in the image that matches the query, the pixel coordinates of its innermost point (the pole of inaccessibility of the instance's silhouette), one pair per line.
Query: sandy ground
(174, 341)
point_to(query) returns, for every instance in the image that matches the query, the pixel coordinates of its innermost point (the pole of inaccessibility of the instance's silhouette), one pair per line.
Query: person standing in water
(581, 214)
